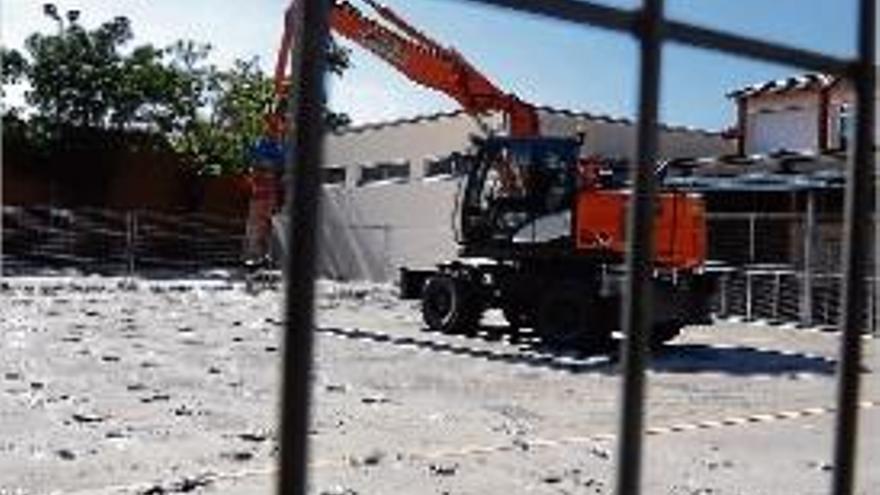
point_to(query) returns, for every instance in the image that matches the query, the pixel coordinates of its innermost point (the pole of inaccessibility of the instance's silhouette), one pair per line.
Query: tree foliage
(14, 66)
(92, 78)
(232, 121)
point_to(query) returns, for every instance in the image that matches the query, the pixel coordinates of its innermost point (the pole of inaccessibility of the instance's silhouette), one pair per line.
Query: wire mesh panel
(94, 240)
(774, 259)
(652, 30)
(42, 237)
(757, 237)
(190, 241)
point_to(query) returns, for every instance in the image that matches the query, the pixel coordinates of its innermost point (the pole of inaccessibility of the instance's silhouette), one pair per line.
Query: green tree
(82, 78)
(91, 79)
(13, 64)
(230, 119)
(233, 114)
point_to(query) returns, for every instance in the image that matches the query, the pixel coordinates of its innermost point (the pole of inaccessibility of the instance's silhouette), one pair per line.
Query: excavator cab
(518, 191)
(536, 196)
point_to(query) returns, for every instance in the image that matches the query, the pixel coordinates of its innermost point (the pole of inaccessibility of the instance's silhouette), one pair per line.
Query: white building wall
(782, 121)
(412, 141)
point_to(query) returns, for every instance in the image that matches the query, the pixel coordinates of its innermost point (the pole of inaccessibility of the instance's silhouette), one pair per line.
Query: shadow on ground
(674, 358)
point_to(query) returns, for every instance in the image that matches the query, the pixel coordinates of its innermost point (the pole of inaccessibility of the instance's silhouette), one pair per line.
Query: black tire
(569, 317)
(517, 316)
(664, 332)
(450, 306)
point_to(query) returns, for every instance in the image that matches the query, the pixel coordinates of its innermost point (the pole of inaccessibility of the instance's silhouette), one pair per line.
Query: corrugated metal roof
(789, 172)
(755, 183)
(794, 83)
(549, 110)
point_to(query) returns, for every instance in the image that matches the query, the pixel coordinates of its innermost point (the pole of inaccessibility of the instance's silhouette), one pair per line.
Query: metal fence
(652, 30)
(784, 267)
(112, 242)
(137, 239)
(765, 276)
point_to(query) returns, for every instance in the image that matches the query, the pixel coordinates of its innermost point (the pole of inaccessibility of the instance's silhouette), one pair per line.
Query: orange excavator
(532, 212)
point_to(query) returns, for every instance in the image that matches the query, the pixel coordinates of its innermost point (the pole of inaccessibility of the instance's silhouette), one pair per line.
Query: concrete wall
(617, 137)
(368, 233)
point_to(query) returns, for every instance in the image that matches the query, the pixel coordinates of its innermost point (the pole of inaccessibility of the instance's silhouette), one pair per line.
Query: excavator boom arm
(415, 55)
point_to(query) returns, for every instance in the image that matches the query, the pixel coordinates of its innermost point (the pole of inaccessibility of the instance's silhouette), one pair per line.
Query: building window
(844, 126)
(448, 166)
(333, 175)
(397, 171)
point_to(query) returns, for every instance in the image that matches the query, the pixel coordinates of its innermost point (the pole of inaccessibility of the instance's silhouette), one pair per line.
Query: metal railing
(777, 267)
(776, 294)
(652, 30)
(114, 242)
(783, 267)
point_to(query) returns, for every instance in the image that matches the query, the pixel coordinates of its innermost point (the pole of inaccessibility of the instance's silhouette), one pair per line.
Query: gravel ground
(170, 387)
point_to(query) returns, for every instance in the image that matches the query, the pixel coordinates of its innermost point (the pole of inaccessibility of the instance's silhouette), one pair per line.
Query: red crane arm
(419, 58)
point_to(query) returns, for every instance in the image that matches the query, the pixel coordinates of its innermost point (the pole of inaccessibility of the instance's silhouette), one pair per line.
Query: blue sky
(545, 62)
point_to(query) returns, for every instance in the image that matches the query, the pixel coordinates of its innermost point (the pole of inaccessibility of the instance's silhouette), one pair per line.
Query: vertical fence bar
(872, 309)
(387, 259)
(753, 220)
(2, 219)
(828, 301)
(130, 219)
(875, 248)
(303, 194)
(858, 213)
(809, 242)
(639, 263)
(777, 295)
(749, 296)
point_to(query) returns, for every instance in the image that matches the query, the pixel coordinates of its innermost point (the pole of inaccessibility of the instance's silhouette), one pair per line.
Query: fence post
(310, 23)
(777, 295)
(748, 295)
(386, 243)
(130, 228)
(809, 242)
(872, 306)
(753, 218)
(857, 217)
(831, 297)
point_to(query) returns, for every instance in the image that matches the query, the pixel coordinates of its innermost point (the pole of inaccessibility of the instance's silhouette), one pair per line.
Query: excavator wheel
(450, 305)
(662, 333)
(517, 316)
(569, 317)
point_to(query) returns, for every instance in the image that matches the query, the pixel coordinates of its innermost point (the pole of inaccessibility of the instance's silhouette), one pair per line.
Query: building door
(792, 129)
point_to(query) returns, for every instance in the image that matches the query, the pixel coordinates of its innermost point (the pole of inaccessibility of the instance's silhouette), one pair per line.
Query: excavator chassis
(569, 302)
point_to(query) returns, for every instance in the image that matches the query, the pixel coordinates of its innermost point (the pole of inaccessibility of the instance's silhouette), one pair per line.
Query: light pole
(51, 11)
